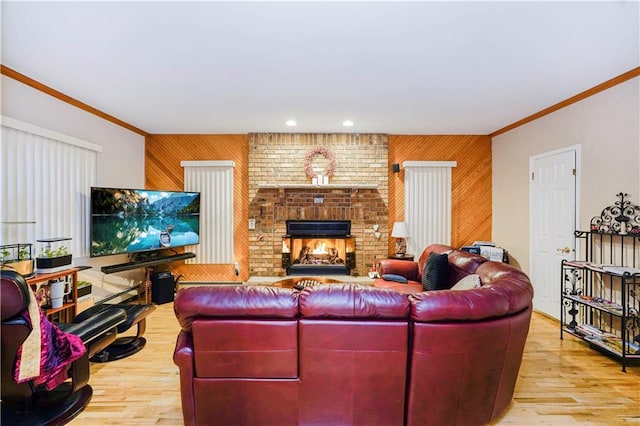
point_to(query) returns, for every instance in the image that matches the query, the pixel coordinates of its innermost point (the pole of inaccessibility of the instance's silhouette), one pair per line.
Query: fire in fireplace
(318, 247)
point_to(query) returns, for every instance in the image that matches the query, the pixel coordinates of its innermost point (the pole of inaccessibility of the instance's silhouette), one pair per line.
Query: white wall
(606, 126)
(121, 162)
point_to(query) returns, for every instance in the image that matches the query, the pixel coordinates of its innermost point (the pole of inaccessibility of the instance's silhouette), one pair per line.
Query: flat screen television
(139, 220)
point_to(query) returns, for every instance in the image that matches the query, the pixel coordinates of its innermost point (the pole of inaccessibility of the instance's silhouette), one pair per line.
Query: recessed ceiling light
(347, 123)
(291, 123)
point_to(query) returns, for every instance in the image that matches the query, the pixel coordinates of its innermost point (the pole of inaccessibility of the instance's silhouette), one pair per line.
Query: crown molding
(6, 71)
(635, 72)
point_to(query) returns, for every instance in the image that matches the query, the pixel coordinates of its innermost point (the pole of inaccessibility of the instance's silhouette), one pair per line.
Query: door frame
(532, 159)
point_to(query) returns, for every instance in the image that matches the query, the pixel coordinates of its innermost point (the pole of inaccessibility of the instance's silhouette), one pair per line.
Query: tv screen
(137, 220)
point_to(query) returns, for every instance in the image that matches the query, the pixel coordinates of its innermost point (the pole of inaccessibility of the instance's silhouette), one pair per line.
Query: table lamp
(400, 232)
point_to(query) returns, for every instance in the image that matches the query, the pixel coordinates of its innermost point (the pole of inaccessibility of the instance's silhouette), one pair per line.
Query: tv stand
(145, 263)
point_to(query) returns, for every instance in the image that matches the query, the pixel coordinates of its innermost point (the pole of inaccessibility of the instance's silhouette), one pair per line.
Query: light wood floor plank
(562, 382)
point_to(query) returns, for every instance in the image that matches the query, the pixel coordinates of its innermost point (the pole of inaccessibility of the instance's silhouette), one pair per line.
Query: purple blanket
(58, 350)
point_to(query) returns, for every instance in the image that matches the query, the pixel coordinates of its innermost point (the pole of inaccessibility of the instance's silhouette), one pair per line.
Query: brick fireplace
(318, 247)
(280, 190)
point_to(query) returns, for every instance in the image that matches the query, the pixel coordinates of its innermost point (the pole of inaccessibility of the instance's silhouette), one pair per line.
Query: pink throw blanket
(56, 348)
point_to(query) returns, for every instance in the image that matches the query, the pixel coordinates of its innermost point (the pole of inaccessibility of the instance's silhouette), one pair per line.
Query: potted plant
(84, 288)
(53, 259)
(18, 258)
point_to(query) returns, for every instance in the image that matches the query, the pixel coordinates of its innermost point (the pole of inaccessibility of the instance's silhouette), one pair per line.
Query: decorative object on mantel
(620, 218)
(347, 185)
(400, 232)
(323, 177)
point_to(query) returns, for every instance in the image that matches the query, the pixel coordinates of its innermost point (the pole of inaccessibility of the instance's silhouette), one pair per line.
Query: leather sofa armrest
(183, 357)
(405, 268)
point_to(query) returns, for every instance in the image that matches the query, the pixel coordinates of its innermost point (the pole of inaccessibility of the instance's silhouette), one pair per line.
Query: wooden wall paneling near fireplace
(163, 154)
(471, 198)
(471, 180)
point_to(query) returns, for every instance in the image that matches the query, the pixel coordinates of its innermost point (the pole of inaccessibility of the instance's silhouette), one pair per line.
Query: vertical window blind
(214, 181)
(45, 182)
(427, 186)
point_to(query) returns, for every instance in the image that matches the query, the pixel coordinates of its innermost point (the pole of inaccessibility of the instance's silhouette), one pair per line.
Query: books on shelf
(605, 339)
(620, 270)
(599, 267)
(614, 344)
(598, 302)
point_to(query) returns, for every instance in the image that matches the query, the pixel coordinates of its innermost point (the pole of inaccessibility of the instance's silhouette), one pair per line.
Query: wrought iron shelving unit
(600, 295)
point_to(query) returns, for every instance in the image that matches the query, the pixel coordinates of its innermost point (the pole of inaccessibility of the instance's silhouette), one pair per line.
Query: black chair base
(57, 407)
(121, 348)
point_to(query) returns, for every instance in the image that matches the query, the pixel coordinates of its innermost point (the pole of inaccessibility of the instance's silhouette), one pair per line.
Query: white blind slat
(214, 181)
(428, 203)
(45, 187)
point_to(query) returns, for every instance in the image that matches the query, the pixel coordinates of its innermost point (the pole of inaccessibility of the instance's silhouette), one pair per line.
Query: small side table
(406, 256)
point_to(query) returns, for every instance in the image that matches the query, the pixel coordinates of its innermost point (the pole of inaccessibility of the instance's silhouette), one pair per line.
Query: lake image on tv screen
(128, 221)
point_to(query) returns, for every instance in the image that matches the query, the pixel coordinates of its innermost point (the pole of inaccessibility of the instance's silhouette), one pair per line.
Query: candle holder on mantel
(621, 218)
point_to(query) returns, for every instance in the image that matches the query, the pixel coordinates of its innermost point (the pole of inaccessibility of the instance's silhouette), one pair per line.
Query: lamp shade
(400, 230)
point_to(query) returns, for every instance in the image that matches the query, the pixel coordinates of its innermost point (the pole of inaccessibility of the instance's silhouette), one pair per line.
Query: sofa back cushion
(505, 290)
(241, 331)
(509, 282)
(461, 264)
(353, 355)
(241, 301)
(352, 301)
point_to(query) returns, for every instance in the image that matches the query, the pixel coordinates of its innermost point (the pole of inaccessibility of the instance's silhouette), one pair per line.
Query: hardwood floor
(562, 382)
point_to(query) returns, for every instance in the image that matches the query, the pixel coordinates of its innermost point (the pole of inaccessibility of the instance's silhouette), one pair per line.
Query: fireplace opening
(318, 247)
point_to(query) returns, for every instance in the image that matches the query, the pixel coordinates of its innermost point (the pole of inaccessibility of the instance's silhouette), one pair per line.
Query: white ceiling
(391, 67)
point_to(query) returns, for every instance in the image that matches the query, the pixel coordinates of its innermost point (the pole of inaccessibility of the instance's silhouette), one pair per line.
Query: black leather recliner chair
(122, 347)
(25, 403)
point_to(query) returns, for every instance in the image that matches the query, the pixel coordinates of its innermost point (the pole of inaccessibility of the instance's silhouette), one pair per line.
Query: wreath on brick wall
(326, 153)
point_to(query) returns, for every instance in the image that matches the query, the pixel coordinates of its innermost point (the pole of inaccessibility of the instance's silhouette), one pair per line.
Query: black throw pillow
(436, 272)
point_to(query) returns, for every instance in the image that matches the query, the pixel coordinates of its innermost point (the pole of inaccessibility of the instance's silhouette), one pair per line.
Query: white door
(552, 213)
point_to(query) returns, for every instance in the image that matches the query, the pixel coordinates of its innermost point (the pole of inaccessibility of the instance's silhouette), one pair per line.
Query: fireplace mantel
(312, 186)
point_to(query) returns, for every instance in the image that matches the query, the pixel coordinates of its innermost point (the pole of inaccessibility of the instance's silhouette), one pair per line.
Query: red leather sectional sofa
(352, 355)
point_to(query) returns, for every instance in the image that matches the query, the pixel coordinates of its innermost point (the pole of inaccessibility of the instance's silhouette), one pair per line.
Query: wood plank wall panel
(471, 180)
(163, 154)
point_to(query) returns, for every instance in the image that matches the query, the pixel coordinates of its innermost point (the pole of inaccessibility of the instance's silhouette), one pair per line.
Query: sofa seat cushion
(352, 301)
(409, 287)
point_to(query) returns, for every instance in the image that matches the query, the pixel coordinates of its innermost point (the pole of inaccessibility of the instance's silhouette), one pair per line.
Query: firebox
(318, 247)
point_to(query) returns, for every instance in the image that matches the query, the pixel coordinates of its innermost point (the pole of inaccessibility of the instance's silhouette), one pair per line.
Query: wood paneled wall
(471, 183)
(471, 180)
(163, 154)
